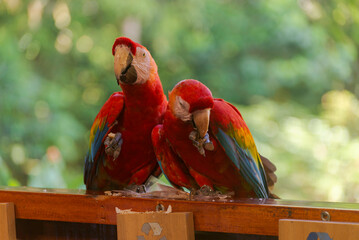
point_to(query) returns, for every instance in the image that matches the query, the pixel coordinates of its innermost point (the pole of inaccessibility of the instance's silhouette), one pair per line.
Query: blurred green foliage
(290, 66)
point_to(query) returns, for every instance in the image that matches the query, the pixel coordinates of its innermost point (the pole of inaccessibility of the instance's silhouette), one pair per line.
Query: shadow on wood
(49, 230)
(231, 236)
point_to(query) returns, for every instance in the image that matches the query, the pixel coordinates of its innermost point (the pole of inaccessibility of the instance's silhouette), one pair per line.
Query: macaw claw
(205, 190)
(201, 143)
(113, 143)
(136, 188)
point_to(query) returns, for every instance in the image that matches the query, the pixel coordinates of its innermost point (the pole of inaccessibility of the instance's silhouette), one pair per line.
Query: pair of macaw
(195, 139)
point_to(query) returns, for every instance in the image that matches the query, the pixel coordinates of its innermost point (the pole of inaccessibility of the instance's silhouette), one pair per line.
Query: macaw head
(191, 101)
(133, 62)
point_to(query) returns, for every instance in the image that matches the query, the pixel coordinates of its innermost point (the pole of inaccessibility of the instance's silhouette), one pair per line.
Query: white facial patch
(142, 64)
(181, 109)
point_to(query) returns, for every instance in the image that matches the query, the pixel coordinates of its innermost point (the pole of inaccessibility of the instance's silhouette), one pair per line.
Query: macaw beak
(125, 72)
(201, 120)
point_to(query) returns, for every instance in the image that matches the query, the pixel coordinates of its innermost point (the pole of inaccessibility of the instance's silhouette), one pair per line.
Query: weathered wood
(7, 221)
(155, 225)
(247, 216)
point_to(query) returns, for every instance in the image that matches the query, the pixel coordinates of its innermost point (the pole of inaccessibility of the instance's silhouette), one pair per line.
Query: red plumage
(132, 114)
(230, 162)
(125, 41)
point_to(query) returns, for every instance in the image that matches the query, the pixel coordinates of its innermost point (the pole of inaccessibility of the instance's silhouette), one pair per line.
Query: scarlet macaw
(120, 149)
(205, 141)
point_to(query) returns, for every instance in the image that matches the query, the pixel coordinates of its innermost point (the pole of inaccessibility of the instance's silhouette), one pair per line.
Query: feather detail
(102, 125)
(171, 164)
(245, 163)
(238, 143)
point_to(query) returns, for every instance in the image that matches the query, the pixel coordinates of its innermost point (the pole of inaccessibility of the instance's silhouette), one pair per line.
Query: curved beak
(201, 120)
(122, 63)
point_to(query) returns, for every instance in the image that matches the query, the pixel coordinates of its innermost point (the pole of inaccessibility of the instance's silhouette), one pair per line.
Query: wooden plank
(299, 230)
(7, 221)
(155, 225)
(249, 216)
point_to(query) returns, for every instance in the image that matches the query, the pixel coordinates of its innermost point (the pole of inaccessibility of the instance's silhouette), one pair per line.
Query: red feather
(192, 91)
(141, 108)
(169, 161)
(125, 41)
(216, 168)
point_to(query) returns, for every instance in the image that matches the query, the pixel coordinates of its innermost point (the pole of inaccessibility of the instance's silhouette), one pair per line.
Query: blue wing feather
(103, 123)
(245, 163)
(91, 154)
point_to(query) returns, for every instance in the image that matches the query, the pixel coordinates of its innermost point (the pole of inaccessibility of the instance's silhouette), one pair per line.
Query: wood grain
(7, 221)
(154, 226)
(300, 229)
(247, 216)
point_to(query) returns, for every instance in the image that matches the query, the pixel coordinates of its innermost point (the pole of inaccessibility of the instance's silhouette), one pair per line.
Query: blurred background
(291, 68)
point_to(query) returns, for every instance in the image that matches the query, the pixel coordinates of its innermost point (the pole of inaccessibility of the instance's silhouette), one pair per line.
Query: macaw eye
(143, 54)
(182, 104)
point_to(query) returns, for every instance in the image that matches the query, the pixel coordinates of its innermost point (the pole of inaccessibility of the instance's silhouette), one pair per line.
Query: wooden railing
(73, 214)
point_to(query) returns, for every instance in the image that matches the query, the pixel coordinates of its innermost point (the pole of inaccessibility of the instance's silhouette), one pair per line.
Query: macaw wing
(102, 125)
(170, 163)
(235, 138)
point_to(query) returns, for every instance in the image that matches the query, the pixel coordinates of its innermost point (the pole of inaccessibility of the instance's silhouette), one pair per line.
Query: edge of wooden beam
(245, 217)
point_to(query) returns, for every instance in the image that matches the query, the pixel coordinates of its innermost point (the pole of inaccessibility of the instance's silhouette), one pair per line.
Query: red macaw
(205, 141)
(120, 149)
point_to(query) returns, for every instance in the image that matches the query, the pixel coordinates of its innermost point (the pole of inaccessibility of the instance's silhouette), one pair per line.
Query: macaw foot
(201, 143)
(113, 143)
(136, 188)
(205, 191)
